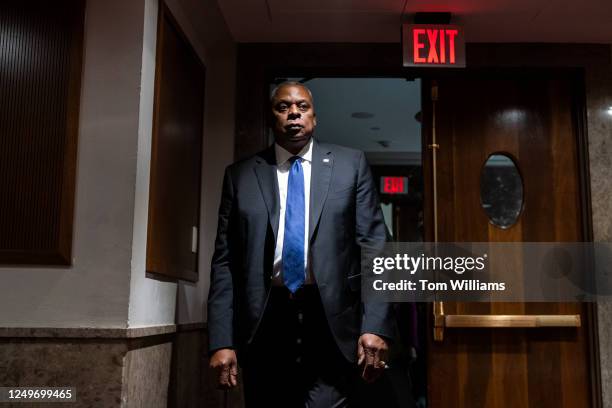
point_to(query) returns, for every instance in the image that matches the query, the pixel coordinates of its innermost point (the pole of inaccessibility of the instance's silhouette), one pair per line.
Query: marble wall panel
(146, 373)
(599, 122)
(93, 367)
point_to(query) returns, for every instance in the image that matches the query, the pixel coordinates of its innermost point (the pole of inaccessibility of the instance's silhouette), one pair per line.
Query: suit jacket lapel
(320, 177)
(265, 169)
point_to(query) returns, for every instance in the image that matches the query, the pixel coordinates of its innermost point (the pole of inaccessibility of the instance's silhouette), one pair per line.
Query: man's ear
(314, 119)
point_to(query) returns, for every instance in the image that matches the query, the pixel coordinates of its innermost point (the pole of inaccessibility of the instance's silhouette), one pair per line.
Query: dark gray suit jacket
(345, 216)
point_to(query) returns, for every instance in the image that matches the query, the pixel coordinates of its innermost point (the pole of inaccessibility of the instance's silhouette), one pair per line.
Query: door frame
(259, 63)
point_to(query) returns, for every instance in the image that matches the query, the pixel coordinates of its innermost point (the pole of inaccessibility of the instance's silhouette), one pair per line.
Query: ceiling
(561, 21)
(385, 110)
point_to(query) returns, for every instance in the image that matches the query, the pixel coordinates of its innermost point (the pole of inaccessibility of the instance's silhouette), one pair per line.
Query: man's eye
(303, 106)
(282, 107)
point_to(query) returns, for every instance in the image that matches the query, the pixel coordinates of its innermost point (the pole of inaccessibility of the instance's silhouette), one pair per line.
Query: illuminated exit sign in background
(394, 185)
(426, 45)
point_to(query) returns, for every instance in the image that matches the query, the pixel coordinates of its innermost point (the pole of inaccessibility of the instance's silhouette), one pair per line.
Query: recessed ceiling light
(362, 115)
(609, 110)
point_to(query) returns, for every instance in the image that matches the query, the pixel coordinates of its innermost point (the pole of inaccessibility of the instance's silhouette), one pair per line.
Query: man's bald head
(278, 87)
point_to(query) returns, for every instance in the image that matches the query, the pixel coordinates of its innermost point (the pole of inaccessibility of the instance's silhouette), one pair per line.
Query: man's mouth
(294, 126)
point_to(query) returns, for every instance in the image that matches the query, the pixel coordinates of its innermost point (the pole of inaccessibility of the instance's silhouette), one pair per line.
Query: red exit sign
(394, 185)
(425, 45)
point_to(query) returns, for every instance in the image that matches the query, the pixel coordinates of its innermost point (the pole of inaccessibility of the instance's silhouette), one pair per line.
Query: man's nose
(293, 110)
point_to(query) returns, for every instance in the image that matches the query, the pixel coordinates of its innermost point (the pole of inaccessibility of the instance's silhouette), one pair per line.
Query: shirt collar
(283, 155)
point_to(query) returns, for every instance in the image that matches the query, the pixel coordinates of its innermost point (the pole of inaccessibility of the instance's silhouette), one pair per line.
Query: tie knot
(293, 159)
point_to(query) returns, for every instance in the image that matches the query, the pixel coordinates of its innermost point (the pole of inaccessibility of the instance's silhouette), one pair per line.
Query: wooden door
(531, 118)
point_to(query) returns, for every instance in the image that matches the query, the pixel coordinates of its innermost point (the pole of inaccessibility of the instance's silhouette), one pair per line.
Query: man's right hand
(225, 364)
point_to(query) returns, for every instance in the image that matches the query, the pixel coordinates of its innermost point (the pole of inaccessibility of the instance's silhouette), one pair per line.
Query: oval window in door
(501, 190)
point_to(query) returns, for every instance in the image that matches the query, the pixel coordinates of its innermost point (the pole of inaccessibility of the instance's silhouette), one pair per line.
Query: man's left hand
(372, 351)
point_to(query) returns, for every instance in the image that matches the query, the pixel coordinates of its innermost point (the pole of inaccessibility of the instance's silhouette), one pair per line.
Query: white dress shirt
(282, 175)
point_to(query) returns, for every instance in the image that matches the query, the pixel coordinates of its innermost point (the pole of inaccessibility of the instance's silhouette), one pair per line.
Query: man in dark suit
(285, 279)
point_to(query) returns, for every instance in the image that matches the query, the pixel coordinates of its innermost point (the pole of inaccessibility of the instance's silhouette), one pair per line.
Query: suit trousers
(293, 360)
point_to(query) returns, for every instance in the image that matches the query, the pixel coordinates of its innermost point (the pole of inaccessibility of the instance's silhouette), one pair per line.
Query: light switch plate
(194, 239)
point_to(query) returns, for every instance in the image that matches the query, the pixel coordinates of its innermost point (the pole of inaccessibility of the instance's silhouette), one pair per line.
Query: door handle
(510, 321)
(442, 321)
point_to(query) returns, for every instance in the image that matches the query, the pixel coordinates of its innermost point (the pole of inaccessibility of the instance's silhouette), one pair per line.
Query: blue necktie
(293, 240)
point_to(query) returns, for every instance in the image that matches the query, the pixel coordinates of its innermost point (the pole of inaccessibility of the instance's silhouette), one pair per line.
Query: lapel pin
(325, 160)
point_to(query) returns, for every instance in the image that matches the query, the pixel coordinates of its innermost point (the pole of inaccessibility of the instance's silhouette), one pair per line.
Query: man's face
(294, 117)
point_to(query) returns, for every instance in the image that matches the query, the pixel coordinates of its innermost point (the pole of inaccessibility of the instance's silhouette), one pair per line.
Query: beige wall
(218, 150)
(94, 291)
(105, 298)
(107, 286)
(152, 301)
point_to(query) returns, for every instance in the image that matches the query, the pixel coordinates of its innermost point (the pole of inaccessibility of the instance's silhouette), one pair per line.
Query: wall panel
(40, 72)
(174, 195)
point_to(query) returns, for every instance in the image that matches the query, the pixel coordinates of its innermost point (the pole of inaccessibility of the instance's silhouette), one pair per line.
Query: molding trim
(86, 332)
(187, 327)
